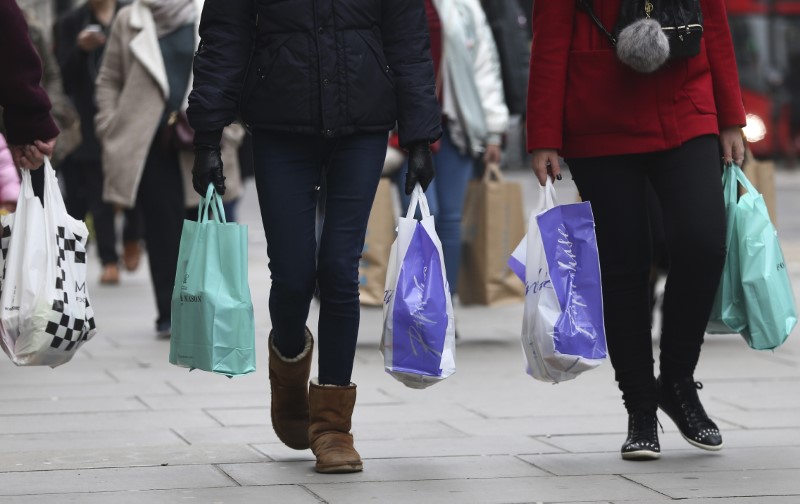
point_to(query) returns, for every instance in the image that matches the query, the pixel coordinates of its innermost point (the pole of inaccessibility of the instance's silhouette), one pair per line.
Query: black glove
(207, 169)
(420, 166)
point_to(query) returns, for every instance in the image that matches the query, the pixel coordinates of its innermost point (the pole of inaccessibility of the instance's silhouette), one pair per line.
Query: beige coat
(132, 89)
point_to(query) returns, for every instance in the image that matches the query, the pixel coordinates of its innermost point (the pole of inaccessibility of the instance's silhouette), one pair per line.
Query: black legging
(687, 181)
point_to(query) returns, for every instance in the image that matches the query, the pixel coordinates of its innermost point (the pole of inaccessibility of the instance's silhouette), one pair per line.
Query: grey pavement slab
(673, 461)
(109, 480)
(55, 405)
(393, 448)
(87, 440)
(388, 469)
(135, 420)
(486, 491)
(727, 500)
(99, 458)
(46, 392)
(762, 419)
(231, 495)
(722, 484)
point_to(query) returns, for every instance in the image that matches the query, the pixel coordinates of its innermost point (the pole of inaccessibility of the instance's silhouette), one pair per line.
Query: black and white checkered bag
(45, 312)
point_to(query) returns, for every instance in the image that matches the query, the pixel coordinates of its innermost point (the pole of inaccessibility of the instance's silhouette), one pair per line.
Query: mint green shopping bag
(212, 315)
(763, 290)
(728, 313)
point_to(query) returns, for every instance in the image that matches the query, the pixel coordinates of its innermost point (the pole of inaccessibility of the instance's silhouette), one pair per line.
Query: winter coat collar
(144, 46)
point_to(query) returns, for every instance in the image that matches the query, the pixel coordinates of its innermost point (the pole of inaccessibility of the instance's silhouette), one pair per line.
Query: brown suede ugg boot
(331, 409)
(288, 381)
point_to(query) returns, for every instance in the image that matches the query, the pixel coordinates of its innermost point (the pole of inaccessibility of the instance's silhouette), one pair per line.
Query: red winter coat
(583, 102)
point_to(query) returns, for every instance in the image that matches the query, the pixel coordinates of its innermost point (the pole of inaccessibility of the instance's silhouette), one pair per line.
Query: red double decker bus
(766, 38)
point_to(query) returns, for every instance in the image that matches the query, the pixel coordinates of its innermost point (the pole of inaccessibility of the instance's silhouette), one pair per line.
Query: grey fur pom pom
(643, 46)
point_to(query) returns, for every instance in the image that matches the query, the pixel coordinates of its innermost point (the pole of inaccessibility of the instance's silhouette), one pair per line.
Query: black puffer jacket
(330, 67)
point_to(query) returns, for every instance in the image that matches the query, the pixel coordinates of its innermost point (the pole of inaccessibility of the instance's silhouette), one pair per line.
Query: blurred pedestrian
(81, 36)
(30, 129)
(327, 81)
(475, 116)
(619, 128)
(141, 87)
(9, 180)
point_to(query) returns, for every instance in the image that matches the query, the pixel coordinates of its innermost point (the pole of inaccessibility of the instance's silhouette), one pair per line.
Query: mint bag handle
(214, 202)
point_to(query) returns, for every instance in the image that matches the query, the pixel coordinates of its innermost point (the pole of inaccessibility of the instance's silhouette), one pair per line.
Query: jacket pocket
(370, 84)
(603, 96)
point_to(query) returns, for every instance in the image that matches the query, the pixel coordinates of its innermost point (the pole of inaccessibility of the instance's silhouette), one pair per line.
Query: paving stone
(87, 440)
(263, 434)
(203, 401)
(744, 459)
(65, 375)
(231, 495)
(55, 405)
(128, 457)
(722, 484)
(48, 391)
(728, 500)
(111, 480)
(762, 419)
(409, 469)
(90, 422)
(671, 440)
(480, 491)
(416, 448)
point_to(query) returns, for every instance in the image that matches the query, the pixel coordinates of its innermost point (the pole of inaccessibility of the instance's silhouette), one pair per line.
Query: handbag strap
(587, 6)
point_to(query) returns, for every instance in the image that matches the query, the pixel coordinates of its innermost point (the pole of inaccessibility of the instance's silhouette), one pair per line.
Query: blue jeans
(446, 200)
(289, 170)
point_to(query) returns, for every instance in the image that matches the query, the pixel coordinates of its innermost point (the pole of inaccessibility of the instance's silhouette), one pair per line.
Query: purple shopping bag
(570, 247)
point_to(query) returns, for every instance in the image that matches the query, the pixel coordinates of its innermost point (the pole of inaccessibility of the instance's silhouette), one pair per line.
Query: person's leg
(132, 233)
(287, 173)
(687, 181)
(160, 198)
(102, 214)
(453, 173)
(615, 186)
(354, 169)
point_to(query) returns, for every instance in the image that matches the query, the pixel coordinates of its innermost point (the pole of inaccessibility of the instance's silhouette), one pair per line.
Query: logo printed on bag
(537, 286)
(419, 319)
(192, 298)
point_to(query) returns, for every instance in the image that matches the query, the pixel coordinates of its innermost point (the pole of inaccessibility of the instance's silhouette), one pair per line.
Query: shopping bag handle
(418, 198)
(492, 171)
(547, 196)
(213, 201)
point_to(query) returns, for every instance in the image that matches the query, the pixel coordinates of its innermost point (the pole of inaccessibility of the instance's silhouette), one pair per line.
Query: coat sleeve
(227, 31)
(489, 79)
(407, 46)
(552, 37)
(111, 76)
(26, 106)
(722, 61)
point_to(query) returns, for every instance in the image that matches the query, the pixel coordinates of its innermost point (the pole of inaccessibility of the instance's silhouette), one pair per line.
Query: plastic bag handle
(418, 198)
(211, 201)
(547, 196)
(27, 185)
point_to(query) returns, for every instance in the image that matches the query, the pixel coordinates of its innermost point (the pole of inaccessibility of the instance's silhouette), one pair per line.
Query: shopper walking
(619, 128)
(141, 86)
(328, 79)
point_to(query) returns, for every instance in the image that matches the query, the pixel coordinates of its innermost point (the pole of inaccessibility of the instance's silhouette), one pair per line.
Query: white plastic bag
(563, 333)
(45, 310)
(418, 342)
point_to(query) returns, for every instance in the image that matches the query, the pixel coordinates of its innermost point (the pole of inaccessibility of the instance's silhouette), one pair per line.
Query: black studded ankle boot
(679, 400)
(642, 442)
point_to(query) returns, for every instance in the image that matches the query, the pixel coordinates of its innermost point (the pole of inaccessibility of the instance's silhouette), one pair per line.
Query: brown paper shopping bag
(762, 175)
(377, 245)
(493, 224)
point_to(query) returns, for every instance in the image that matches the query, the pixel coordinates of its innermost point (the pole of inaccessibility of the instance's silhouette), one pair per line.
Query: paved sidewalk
(120, 425)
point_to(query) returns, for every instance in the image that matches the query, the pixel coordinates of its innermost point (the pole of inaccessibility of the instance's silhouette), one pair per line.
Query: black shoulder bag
(649, 32)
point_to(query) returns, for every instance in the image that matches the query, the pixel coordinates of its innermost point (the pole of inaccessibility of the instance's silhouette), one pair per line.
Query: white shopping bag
(45, 313)
(418, 342)
(563, 333)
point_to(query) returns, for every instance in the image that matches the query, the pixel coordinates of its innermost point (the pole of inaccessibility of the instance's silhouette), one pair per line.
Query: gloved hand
(420, 166)
(207, 169)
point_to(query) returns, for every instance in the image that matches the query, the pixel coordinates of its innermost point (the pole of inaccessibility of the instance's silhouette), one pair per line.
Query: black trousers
(289, 169)
(160, 201)
(83, 181)
(687, 183)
